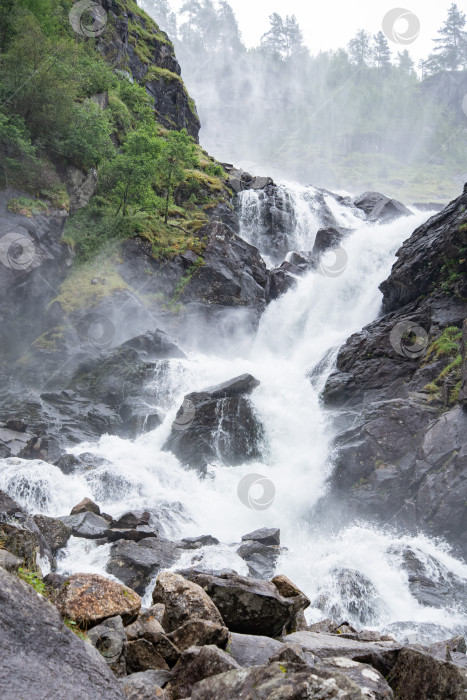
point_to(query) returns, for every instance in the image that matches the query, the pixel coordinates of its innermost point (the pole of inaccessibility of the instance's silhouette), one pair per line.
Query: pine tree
(452, 43)
(229, 32)
(359, 48)
(405, 62)
(381, 52)
(293, 36)
(274, 41)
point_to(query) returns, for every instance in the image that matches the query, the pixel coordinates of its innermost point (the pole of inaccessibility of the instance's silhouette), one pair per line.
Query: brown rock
(89, 599)
(184, 601)
(141, 655)
(199, 633)
(289, 590)
(86, 505)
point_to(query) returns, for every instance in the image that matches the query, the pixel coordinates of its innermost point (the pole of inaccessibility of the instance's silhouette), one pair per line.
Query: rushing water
(296, 332)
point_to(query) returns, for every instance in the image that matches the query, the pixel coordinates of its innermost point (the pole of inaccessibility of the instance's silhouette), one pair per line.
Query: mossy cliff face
(132, 42)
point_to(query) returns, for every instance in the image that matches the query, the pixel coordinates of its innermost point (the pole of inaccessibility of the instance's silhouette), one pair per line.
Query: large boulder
(184, 601)
(146, 685)
(217, 424)
(198, 633)
(136, 563)
(380, 208)
(40, 655)
(89, 599)
(195, 664)
(289, 681)
(419, 675)
(248, 606)
(252, 649)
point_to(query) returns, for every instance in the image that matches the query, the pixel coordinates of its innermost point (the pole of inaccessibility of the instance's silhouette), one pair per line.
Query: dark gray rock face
(420, 268)
(378, 207)
(218, 423)
(260, 558)
(247, 606)
(40, 653)
(136, 563)
(233, 273)
(88, 525)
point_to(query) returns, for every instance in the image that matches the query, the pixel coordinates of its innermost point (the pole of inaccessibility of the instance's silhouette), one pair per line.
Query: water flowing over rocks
(218, 423)
(399, 456)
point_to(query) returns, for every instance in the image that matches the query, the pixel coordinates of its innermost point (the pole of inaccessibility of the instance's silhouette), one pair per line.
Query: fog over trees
(357, 116)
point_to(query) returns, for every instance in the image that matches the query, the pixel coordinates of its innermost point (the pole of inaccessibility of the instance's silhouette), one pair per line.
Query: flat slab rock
(330, 645)
(41, 658)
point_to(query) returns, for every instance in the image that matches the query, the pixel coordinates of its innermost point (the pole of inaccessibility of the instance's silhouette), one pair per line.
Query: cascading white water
(296, 332)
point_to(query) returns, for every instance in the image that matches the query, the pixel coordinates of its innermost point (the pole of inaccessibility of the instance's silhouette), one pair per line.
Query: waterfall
(296, 333)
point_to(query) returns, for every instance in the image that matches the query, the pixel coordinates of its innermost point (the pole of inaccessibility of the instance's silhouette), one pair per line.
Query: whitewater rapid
(296, 332)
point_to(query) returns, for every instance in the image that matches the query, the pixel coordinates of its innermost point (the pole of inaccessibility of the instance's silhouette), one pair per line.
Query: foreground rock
(146, 685)
(89, 599)
(419, 675)
(39, 654)
(217, 424)
(277, 680)
(249, 606)
(195, 664)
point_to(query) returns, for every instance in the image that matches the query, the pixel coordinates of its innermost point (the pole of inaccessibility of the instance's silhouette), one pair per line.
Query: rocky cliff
(399, 387)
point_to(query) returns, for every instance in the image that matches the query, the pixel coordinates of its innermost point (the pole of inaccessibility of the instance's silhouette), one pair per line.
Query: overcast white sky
(330, 24)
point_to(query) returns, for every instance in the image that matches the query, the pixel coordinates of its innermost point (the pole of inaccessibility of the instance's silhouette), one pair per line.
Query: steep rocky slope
(399, 391)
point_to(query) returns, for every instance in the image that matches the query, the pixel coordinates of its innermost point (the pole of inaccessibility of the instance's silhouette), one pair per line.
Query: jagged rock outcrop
(380, 208)
(134, 40)
(400, 453)
(218, 423)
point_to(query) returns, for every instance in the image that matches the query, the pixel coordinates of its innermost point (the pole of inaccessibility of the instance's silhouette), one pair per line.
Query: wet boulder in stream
(217, 424)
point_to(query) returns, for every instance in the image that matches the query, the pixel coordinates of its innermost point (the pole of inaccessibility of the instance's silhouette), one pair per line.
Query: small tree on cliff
(177, 153)
(130, 175)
